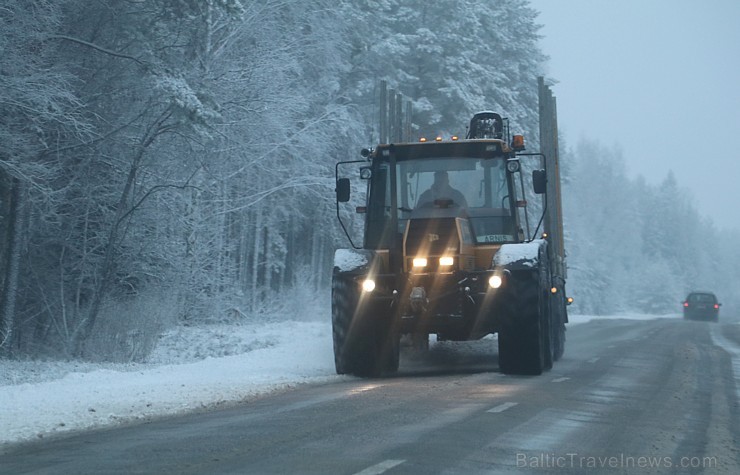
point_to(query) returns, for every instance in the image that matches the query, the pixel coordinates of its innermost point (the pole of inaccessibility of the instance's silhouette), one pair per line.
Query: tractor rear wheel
(560, 315)
(525, 343)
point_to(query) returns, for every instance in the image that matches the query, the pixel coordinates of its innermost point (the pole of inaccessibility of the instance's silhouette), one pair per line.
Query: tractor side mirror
(342, 190)
(539, 181)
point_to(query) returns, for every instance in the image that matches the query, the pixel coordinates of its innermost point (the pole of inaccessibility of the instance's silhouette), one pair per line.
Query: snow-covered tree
(634, 246)
(451, 58)
(178, 156)
(39, 114)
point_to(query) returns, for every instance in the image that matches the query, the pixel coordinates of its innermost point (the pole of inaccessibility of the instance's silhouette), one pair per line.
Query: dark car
(701, 306)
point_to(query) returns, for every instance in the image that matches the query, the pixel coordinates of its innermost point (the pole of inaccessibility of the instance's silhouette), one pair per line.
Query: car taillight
(716, 305)
(685, 304)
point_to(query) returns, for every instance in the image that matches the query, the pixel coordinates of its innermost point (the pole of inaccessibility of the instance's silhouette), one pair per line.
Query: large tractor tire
(363, 345)
(559, 342)
(546, 318)
(559, 318)
(525, 346)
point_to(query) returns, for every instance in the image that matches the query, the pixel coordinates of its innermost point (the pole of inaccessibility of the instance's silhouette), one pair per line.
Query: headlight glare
(420, 262)
(368, 285)
(495, 281)
(446, 261)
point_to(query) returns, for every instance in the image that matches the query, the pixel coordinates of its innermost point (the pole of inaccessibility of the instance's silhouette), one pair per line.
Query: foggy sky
(659, 79)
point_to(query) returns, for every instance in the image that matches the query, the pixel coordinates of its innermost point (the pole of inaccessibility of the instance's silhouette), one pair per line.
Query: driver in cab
(441, 190)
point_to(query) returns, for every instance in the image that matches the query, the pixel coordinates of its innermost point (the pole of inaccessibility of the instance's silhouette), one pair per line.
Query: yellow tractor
(449, 249)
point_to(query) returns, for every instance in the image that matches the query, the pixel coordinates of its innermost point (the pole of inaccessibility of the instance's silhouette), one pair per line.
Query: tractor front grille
(431, 237)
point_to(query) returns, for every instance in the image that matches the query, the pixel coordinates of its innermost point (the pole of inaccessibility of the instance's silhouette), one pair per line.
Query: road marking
(382, 467)
(593, 360)
(560, 380)
(503, 407)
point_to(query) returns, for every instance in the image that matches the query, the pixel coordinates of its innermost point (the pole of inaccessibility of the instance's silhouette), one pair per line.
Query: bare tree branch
(98, 48)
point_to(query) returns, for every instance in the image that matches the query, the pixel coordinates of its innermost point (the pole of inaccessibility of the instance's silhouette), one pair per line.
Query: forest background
(171, 162)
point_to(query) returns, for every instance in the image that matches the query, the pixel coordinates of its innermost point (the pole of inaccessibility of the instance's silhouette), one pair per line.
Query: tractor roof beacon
(450, 248)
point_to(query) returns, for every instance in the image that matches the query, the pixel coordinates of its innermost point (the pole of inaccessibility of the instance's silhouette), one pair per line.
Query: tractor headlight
(446, 261)
(419, 262)
(495, 281)
(368, 285)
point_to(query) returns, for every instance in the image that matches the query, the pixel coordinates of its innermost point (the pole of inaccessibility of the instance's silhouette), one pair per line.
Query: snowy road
(656, 396)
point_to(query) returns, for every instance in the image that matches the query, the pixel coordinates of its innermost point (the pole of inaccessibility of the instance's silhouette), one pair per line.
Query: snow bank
(59, 397)
(574, 319)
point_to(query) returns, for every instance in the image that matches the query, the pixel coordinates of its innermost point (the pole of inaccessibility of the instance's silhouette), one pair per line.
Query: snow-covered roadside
(61, 397)
(191, 369)
(575, 319)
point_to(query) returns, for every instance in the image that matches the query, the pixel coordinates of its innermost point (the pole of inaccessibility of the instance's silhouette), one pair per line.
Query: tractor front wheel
(363, 346)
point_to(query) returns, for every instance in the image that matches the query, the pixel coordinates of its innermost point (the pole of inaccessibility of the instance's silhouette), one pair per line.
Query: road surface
(658, 396)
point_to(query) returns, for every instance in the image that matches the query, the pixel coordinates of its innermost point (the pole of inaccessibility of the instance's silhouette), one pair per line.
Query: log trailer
(463, 265)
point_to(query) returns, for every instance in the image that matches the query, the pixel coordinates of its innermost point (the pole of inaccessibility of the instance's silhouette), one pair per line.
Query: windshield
(702, 298)
(473, 188)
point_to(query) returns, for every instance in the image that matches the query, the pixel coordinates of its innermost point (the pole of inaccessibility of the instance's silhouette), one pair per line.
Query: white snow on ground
(191, 369)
